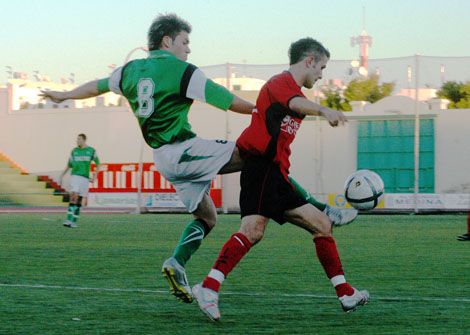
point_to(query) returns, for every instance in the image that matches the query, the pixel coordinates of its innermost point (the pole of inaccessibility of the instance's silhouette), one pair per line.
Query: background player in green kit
(79, 161)
(160, 90)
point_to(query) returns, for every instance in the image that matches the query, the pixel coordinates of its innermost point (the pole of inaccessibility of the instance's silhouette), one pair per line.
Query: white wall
(41, 140)
(452, 150)
(322, 158)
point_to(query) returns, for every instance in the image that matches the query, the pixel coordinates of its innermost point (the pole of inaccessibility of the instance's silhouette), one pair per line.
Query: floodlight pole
(227, 135)
(138, 208)
(416, 135)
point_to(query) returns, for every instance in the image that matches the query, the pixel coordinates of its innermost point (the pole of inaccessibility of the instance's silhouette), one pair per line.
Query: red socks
(238, 245)
(329, 259)
(232, 252)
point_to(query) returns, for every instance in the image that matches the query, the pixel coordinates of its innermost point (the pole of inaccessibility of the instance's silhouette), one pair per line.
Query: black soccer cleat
(464, 237)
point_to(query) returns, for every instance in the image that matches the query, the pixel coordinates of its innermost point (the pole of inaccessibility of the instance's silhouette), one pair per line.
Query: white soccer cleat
(350, 302)
(176, 276)
(208, 301)
(340, 216)
(70, 224)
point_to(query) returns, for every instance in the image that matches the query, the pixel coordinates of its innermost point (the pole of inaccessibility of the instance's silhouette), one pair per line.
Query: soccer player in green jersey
(79, 162)
(160, 90)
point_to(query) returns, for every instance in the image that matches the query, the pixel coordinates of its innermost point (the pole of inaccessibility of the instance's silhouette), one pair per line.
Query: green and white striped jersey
(160, 90)
(80, 161)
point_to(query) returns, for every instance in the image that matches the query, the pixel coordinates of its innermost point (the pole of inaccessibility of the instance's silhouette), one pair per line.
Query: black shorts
(265, 191)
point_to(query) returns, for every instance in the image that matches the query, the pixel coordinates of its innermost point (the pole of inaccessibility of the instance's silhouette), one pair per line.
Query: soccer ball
(364, 189)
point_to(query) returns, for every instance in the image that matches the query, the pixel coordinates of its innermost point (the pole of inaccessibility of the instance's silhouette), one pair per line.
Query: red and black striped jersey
(273, 125)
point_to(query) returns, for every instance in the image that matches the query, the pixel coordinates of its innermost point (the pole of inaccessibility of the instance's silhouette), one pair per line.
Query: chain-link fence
(431, 71)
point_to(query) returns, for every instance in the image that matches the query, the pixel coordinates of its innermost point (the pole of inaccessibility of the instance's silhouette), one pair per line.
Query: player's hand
(55, 96)
(93, 178)
(333, 116)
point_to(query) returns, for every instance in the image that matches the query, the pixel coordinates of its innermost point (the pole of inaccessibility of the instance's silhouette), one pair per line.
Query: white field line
(257, 294)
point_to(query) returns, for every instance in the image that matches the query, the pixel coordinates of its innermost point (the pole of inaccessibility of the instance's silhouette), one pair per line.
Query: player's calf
(328, 256)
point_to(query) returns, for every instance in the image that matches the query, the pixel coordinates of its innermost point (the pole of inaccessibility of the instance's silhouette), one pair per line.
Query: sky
(58, 37)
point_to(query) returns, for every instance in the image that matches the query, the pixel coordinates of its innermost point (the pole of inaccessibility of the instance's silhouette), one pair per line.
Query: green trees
(334, 99)
(369, 89)
(360, 89)
(457, 92)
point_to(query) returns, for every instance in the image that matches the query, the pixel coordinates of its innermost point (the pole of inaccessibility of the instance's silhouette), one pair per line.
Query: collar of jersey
(160, 54)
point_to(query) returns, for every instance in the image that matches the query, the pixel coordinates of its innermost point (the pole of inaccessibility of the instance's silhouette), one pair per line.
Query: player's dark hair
(82, 136)
(166, 25)
(305, 47)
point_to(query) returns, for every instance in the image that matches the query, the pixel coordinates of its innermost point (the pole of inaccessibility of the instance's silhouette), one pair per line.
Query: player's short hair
(166, 25)
(82, 136)
(305, 47)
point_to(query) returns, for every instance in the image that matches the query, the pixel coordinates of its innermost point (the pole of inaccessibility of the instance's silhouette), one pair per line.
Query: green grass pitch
(104, 277)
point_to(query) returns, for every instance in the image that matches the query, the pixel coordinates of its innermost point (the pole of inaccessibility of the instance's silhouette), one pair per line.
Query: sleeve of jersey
(195, 85)
(114, 81)
(103, 85)
(283, 92)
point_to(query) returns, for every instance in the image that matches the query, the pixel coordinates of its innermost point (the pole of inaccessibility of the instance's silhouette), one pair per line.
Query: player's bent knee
(257, 236)
(74, 197)
(323, 224)
(324, 227)
(253, 227)
(253, 234)
(209, 221)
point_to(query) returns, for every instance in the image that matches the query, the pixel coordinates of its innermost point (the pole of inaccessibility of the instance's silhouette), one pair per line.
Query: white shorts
(80, 185)
(191, 165)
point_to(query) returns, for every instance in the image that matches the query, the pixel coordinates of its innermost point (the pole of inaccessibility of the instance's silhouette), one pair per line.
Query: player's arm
(97, 167)
(64, 173)
(307, 107)
(85, 91)
(241, 106)
(195, 85)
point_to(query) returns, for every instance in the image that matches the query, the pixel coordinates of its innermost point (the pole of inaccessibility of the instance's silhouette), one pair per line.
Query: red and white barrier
(116, 186)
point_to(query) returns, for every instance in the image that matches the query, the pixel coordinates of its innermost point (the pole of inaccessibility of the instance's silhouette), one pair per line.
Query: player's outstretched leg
(338, 216)
(190, 241)
(237, 246)
(349, 297)
(316, 223)
(173, 268)
(207, 293)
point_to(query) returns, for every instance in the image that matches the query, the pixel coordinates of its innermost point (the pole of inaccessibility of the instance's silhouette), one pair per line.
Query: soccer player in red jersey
(266, 192)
